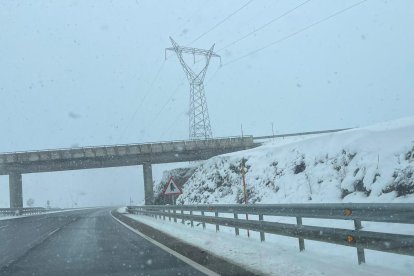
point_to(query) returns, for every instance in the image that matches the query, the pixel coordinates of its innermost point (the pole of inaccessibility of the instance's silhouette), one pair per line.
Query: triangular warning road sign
(172, 188)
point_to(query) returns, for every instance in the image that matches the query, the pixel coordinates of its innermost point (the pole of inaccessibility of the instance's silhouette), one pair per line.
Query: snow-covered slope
(371, 164)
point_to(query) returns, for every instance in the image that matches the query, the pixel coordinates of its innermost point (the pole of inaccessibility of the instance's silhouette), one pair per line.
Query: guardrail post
(175, 218)
(217, 226)
(163, 212)
(301, 240)
(169, 215)
(236, 229)
(192, 221)
(182, 213)
(204, 224)
(262, 234)
(360, 250)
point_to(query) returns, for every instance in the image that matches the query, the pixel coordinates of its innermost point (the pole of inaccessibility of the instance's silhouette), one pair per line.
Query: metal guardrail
(358, 212)
(301, 133)
(23, 211)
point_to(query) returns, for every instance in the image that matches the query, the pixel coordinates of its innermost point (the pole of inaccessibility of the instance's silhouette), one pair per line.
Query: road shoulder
(195, 254)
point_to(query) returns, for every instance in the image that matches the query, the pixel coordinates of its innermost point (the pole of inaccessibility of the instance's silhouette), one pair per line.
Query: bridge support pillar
(148, 184)
(15, 188)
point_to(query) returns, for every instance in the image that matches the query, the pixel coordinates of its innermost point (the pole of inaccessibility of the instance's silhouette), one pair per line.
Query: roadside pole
(243, 171)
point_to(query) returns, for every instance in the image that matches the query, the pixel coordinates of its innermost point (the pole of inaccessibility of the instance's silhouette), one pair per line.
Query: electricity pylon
(199, 121)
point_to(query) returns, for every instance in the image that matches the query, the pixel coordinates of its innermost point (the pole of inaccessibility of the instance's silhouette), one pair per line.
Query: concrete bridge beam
(15, 188)
(148, 184)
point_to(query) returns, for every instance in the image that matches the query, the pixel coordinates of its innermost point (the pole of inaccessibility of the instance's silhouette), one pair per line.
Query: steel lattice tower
(199, 121)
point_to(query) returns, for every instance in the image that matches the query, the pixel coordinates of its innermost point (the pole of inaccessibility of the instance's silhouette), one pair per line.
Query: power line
(168, 131)
(165, 104)
(222, 21)
(265, 25)
(196, 11)
(296, 33)
(143, 99)
(152, 84)
(212, 76)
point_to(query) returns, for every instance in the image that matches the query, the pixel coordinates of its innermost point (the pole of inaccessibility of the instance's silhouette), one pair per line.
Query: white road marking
(51, 233)
(31, 245)
(3, 226)
(190, 262)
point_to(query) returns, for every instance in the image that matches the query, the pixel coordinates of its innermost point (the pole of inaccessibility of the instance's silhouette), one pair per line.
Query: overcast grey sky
(78, 73)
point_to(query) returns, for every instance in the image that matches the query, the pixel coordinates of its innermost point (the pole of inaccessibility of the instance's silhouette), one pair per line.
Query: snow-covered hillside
(371, 164)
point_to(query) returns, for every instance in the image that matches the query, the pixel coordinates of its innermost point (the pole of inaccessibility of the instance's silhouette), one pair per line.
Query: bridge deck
(120, 155)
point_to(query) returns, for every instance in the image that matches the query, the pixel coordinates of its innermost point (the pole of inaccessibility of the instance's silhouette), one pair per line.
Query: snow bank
(371, 164)
(280, 255)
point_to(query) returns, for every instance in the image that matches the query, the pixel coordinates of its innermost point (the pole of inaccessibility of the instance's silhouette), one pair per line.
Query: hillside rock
(180, 176)
(373, 164)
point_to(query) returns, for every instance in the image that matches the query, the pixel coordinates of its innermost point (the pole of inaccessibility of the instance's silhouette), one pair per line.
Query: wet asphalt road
(83, 242)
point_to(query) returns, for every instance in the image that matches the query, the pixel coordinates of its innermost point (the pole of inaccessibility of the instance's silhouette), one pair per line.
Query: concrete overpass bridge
(17, 163)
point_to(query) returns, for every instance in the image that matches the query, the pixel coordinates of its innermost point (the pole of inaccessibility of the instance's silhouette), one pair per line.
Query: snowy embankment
(371, 164)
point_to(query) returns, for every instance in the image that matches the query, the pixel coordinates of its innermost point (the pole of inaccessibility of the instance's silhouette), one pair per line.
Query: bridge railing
(23, 211)
(357, 237)
(124, 149)
(233, 138)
